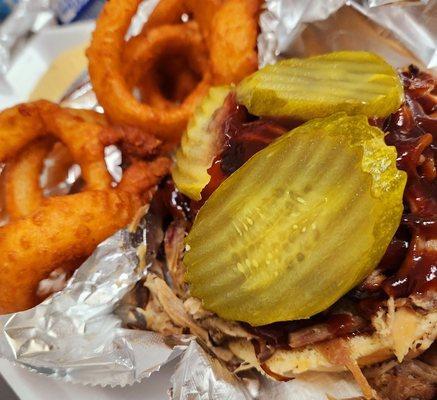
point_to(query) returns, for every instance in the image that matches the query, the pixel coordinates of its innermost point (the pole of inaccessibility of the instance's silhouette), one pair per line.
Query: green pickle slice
(298, 225)
(355, 82)
(199, 146)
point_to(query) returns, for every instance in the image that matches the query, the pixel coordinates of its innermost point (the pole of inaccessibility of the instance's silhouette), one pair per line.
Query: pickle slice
(355, 82)
(298, 225)
(199, 146)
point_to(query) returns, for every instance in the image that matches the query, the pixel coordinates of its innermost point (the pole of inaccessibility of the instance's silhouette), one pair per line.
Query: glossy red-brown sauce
(413, 131)
(243, 136)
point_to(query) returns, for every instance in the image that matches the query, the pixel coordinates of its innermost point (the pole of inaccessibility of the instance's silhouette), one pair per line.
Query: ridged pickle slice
(298, 225)
(355, 82)
(199, 146)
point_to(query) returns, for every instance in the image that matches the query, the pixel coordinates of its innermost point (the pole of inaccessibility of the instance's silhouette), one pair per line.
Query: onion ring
(106, 72)
(23, 192)
(169, 79)
(23, 123)
(229, 27)
(64, 228)
(47, 233)
(232, 44)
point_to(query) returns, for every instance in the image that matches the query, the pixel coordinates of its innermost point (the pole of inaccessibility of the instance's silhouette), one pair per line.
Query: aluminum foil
(77, 334)
(402, 32)
(200, 377)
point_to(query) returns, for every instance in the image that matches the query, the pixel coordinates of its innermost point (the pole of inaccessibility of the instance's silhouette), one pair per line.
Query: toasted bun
(402, 333)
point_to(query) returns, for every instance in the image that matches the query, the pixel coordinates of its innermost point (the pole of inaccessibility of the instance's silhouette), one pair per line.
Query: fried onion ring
(23, 192)
(230, 28)
(64, 228)
(21, 124)
(59, 231)
(106, 71)
(167, 80)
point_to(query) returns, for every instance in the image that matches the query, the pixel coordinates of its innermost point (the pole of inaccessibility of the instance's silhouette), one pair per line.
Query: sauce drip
(413, 131)
(244, 136)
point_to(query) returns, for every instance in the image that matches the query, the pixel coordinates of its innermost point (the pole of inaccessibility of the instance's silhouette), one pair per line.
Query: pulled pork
(412, 379)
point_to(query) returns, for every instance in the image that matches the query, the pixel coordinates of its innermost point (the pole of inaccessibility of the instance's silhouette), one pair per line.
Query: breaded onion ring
(23, 191)
(64, 228)
(233, 38)
(106, 71)
(21, 124)
(47, 233)
(23, 194)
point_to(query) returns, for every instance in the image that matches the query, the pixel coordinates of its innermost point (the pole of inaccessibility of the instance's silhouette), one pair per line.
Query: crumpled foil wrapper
(77, 335)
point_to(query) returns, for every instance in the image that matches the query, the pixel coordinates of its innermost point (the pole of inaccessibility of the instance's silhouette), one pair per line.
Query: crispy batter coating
(132, 141)
(62, 229)
(47, 233)
(171, 12)
(21, 124)
(233, 38)
(18, 126)
(142, 176)
(165, 12)
(106, 71)
(23, 192)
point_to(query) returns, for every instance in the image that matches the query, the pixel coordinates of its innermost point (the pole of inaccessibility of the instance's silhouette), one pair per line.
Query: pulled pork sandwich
(298, 229)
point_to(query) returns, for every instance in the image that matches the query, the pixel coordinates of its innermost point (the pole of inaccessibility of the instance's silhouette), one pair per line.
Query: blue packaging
(71, 10)
(6, 8)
